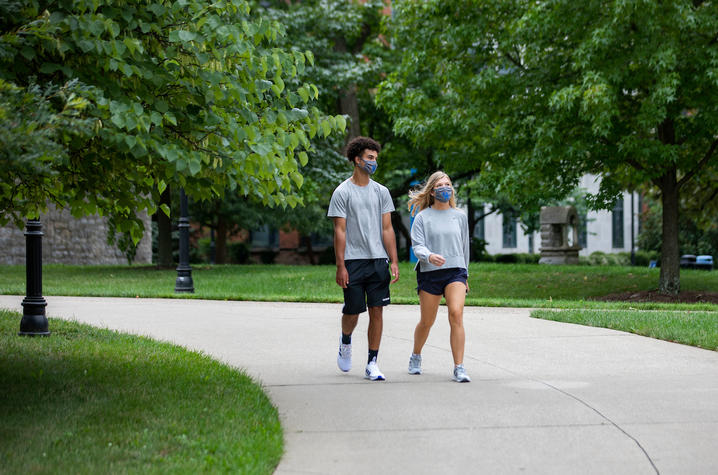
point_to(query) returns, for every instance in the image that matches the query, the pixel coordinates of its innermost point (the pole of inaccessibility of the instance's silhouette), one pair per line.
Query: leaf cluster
(532, 95)
(186, 92)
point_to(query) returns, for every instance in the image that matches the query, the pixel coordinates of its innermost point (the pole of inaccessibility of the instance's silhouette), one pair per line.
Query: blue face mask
(443, 194)
(369, 167)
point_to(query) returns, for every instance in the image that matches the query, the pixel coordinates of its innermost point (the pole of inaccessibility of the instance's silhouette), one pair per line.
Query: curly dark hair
(357, 145)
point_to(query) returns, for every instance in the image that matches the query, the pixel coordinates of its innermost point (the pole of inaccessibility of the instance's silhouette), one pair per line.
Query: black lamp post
(34, 322)
(184, 271)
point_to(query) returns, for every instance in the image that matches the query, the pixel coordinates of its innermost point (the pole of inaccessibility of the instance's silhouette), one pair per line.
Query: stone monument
(559, 235)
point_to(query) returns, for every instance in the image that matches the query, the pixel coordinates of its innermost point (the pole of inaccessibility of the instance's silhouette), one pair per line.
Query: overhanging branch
(700, 164)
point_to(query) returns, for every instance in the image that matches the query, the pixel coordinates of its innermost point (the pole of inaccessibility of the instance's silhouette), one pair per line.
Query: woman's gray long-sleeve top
(443, 232)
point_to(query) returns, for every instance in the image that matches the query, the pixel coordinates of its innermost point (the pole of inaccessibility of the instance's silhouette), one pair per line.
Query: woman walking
(440, 240)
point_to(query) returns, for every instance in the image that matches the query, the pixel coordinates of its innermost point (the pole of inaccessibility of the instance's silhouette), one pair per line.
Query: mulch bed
(655, 296)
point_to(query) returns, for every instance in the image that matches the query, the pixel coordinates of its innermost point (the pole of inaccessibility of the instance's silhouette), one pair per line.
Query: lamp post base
(184, 282)
(34, 322)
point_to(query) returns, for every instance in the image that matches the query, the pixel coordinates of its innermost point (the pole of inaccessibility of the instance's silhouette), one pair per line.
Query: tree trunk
(220, 248)
(669, 282)
(348, 104)
(310, 250)
(164, 232)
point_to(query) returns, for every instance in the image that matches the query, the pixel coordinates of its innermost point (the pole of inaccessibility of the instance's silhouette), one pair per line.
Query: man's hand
(342, 277)
(394, 272)
(437, 259)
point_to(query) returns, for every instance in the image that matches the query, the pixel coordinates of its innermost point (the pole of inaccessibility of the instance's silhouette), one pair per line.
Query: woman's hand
(437, 259)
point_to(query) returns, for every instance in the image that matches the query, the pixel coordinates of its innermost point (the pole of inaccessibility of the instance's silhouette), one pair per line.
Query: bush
(238, 252)
(525, 258)
(478, 250)
(598, 258)
(200, 253)
(517, 258)
(267, 256)
(506, 258)
(326, 257)
(643, 258)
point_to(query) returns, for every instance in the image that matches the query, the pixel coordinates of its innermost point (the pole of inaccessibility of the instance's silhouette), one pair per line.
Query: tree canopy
(104, 104)
(534, 94)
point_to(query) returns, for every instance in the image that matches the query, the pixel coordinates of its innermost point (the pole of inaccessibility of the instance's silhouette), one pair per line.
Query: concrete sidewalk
(546, 397)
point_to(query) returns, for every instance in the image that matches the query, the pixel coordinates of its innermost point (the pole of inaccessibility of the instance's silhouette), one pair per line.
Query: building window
(265, 237)
(509, 230)
(617, 228)
(582, 231)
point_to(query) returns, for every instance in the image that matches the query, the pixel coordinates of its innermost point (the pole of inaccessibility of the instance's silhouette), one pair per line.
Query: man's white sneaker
(344, 358)
(415, 364)
(373, 373)
(460, 375)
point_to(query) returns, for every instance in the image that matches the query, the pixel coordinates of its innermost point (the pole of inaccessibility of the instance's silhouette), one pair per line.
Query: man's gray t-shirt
(363, 207)
(443, 232)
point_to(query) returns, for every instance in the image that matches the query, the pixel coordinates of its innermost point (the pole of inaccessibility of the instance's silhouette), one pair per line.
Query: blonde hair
(421, 197)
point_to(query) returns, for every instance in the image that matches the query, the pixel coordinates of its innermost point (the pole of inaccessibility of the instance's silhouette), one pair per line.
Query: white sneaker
(373, 373)
(460, 375)
(415, 364)
(344, 358)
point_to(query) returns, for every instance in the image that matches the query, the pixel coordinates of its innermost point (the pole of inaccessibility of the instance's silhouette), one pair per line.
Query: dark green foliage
(528, 96)
(698, 234)
(238, 252)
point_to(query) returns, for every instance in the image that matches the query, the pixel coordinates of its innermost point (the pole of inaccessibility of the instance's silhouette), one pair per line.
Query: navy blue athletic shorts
(435, 281)
(368, 285)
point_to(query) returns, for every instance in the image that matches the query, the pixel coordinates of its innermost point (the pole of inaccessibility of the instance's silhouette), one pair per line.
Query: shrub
(643, 258)
(238, 252)
(506, 258)
(267, 256)
(326, 257)
(199, 253)
(526, 258)
(478, 250)
(598, 258)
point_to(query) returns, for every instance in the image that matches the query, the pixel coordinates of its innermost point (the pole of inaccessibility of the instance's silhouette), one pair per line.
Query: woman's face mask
(443, 193)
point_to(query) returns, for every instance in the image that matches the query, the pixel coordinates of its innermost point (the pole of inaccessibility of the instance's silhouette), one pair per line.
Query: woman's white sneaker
(372, 372)
(415, 364)
(460, 375)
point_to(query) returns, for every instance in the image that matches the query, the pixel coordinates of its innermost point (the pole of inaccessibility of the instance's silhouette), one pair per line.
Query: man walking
(364, 241)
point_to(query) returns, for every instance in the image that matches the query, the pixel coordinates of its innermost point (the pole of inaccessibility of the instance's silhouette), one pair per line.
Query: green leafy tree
(128, 98)
(344, 37)
(531, 95)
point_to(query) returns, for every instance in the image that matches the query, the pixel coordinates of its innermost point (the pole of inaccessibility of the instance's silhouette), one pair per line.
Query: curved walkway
(546, 397)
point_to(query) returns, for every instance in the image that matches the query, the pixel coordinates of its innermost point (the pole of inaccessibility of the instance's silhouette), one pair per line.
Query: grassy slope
(87, 400)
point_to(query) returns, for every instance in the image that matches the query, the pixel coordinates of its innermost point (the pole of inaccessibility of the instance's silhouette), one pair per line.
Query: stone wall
(69, 240)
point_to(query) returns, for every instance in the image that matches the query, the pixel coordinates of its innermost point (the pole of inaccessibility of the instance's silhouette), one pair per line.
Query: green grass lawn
(87, 400)
(687, 327)
(524, 285)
